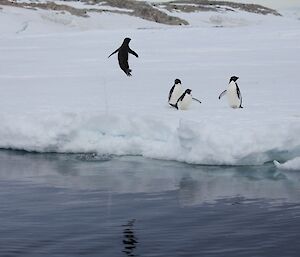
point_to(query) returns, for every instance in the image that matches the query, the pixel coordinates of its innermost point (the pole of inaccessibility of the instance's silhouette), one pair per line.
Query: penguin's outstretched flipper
(222, 94)
(195, 99)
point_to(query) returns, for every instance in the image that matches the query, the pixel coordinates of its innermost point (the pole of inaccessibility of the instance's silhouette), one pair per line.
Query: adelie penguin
(233, 93)
(185, 100)
(175, 92)
(123, 51)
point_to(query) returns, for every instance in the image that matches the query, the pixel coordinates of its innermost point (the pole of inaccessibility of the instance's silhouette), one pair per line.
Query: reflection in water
(61, 205)
(211, 184)
(129, 239)
(194, 184)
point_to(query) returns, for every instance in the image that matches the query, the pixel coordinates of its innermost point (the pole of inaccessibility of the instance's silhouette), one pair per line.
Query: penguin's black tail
(174, 105)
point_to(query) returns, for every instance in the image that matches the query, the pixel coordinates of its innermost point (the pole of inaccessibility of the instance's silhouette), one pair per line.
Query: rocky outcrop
(164, 13)
(206, 5)
(47, 6)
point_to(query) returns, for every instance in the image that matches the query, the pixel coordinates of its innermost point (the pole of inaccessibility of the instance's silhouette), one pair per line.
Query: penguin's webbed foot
(128, 72)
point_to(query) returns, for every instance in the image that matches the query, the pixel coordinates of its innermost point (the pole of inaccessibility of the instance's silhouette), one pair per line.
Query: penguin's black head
(188, 91)
(126, 40)
(177, 81)
(233, 78)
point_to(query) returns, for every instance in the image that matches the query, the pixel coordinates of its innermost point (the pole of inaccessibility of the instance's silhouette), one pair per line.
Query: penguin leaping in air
(233, 93)
(175, 92)
(123, 51)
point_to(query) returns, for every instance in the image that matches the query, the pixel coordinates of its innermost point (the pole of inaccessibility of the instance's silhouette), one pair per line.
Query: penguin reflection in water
(130, 239)
(123, 51)
(233, 93)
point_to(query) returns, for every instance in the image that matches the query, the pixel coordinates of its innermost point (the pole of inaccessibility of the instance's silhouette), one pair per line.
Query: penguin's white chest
(232, 96)
(185, 102)
(177, 92)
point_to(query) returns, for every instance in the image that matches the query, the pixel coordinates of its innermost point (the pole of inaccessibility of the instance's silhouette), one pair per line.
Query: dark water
(82, 205)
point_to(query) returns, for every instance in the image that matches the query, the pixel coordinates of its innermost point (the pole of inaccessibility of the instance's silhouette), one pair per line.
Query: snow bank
(60, 92)
(293, 164)
(186, 141)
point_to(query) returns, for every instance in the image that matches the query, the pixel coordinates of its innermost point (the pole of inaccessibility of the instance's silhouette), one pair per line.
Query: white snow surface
(293, 164)
(60, 92)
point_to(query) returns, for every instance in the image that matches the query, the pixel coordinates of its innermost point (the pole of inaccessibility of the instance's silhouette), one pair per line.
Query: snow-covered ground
(60, 92)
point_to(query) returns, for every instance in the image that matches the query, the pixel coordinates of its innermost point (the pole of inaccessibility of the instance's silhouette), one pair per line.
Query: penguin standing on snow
(233, 94)
(175, 92)
(184, 100)
(123, 51)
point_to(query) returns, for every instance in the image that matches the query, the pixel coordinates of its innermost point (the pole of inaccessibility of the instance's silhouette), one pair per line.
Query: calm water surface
(84, 205)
